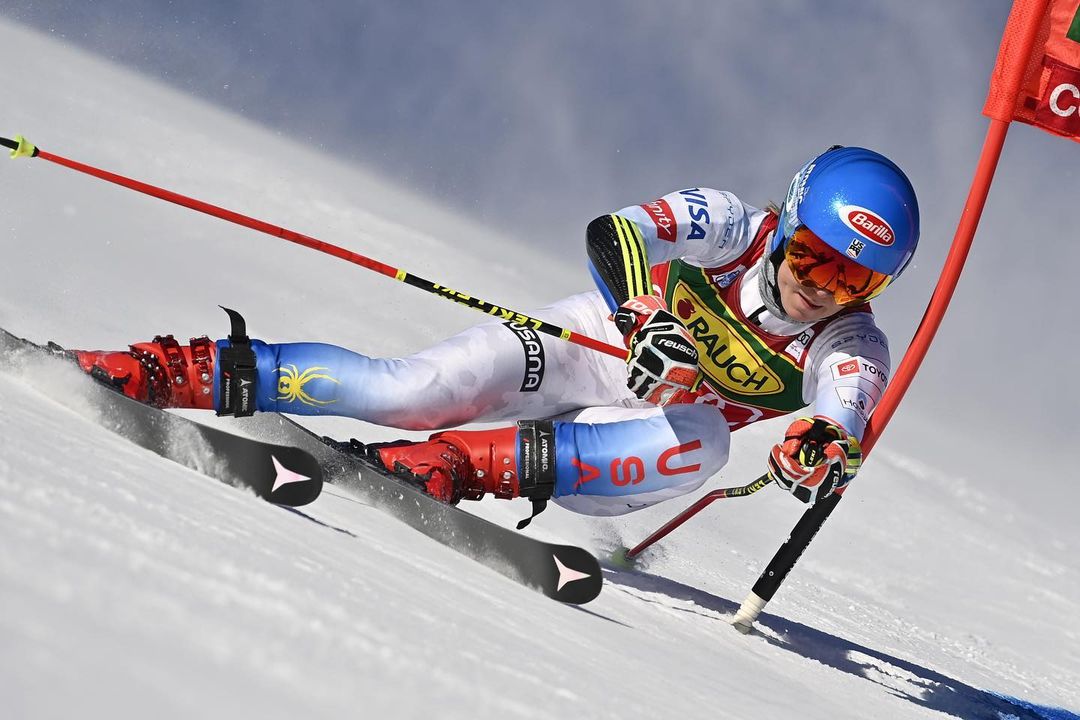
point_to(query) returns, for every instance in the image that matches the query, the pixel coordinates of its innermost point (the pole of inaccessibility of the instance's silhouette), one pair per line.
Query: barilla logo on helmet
(867, 224)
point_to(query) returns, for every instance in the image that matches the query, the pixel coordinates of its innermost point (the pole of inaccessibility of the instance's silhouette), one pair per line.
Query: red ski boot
(466, 464)
(160, 372)
(458, 465)
(167, 374)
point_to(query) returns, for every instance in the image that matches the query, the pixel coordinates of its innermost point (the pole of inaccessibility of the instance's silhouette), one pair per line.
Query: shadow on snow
(904, 679)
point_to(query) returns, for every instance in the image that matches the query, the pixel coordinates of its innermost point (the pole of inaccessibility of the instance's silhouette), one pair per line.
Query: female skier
(731, 314)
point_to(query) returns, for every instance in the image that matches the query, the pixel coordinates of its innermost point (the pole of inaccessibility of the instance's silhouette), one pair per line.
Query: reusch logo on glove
(867, 224)
(677, 346)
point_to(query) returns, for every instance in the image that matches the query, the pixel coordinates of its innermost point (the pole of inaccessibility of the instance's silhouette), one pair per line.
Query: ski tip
(297, 495)
(578, 578)
(297, 481)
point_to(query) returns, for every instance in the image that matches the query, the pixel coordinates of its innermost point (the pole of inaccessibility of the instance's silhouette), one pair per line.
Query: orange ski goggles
(815, 264)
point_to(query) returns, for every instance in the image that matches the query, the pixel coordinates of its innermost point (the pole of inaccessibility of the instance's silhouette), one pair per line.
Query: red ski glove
(663, 364)
(815, 459)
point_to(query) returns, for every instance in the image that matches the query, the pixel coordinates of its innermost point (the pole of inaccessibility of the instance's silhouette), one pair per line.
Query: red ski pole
(21, 147)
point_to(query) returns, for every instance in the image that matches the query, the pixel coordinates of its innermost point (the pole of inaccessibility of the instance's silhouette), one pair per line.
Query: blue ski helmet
(859, 203)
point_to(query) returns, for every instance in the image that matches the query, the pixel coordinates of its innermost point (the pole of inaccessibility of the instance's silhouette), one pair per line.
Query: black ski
(278, 473)
(566, 573)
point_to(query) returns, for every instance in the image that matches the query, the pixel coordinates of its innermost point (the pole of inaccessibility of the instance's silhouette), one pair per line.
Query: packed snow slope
(131, 586)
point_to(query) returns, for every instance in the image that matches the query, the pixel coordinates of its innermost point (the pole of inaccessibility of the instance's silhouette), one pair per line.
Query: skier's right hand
(663, 363)
(816, 459)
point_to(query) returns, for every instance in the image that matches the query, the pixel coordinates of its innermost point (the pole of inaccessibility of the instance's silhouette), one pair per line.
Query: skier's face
(802, 302)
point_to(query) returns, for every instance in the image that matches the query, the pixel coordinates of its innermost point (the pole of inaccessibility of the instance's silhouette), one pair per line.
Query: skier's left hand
(663, 363)
(815, 459)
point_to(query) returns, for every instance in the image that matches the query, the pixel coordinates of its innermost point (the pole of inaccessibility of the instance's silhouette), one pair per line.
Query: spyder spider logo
(291, 384)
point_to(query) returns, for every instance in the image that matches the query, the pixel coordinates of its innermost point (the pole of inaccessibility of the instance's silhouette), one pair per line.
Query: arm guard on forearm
(617, 252)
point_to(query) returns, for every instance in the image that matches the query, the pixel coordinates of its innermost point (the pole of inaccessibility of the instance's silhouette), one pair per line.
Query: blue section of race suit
(304, 378)
(603, 288)
(649, 455)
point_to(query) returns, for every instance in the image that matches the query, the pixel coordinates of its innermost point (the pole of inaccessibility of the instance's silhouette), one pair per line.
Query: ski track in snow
(130, 585)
